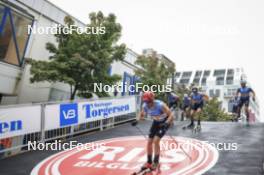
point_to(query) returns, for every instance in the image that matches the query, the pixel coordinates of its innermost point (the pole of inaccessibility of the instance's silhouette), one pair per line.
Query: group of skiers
(192, 104)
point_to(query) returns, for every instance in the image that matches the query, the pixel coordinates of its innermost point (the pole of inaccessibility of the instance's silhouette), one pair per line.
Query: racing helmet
(195, 89)
(148, 97)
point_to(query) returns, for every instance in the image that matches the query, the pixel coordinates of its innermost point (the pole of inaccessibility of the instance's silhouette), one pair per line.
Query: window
(56, 95)
(187, 74)
(13, 35)
(198, 73)
(204, 81)
(21, 25)
(211, 93)
(196, 81)
(178, 74)
(220, 72)
(214, 93)
(220, 81)
(229, 80)
(184, 81)
(230, 105)
(231, 92)
(217, 93)
(7, 45)
(230, 72)
(206, 73)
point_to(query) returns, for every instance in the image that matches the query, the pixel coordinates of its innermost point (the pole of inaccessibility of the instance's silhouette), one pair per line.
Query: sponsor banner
(61, 115)
(19, 121)
(126, 155)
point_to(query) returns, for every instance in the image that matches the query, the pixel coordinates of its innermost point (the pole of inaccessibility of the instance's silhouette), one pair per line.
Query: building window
(204, 81)
(217, 93)
(214, 93)
(198, 73)
(178, 74)
(230, 72)
(220, 72)
(220, 81)
(211, 93)
(58, 95)
(196, 81)
(229, 80)
(184, 81)
(13, 36)
(231, 92)
(230, 105)
(206, 73)
(187, 74)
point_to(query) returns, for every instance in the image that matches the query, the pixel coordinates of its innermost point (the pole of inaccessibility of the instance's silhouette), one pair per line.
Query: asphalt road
(246, 160)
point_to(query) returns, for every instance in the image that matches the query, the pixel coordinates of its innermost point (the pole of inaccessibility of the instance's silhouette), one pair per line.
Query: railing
(20, 124)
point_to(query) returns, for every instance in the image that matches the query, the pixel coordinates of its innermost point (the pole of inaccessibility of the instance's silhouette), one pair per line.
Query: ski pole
(186, 154)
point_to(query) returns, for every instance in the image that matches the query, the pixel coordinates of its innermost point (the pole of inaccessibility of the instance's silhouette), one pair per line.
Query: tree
(80, 60)
(153, 72)
(212, 111)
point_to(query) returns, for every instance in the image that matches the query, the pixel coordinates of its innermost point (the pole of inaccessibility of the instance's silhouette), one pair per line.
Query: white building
(16, 45)
(220, 83)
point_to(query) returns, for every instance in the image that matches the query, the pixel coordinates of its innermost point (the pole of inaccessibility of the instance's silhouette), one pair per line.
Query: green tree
(212, 111)
(80, 60)
(154, 72)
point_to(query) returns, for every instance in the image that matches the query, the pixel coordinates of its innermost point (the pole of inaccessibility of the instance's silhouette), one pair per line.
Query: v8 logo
(68, 114)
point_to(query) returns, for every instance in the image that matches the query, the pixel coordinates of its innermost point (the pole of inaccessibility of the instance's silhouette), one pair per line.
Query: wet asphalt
(246, 160)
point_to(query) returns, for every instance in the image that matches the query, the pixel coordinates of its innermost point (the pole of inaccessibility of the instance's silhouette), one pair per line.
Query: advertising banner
(17, 121)
(66, 114)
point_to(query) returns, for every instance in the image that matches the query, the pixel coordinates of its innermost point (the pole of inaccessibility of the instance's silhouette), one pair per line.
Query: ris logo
(10, 126)
(68, 114)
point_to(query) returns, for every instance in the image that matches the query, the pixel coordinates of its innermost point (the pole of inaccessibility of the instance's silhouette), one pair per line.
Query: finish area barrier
(44, 122)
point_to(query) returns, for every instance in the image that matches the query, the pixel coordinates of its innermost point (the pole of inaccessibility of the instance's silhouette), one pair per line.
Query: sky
(195, 34)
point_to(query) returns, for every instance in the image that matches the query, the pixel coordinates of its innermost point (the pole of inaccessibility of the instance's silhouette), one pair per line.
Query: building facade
(220, 83)
(17, 43)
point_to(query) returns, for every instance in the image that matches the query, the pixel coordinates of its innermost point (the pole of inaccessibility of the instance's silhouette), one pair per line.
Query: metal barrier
(16, 144)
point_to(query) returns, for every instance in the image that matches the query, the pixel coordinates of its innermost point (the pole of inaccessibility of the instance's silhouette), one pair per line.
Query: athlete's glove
(165, 125)
(134, 123)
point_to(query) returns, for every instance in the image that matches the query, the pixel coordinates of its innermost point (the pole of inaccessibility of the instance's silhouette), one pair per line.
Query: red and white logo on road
(125, 155)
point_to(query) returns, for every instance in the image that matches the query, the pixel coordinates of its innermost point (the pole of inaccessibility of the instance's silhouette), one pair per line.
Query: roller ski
(197, 128)
(190, 126)
(143, 170)
(154, 170)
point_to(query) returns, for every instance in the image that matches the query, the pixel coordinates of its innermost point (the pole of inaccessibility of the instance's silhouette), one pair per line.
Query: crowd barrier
(46, 122)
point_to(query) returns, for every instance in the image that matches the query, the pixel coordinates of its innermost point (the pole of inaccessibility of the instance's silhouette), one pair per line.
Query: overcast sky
(195, 34)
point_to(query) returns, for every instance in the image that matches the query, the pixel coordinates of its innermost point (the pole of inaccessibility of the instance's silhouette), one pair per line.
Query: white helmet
(185, 95)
